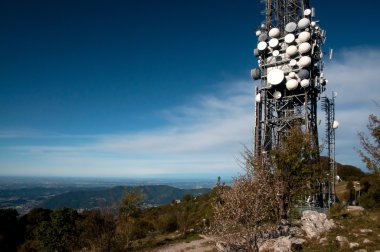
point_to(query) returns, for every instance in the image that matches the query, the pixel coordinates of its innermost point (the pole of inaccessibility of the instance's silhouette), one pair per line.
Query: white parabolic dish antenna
(291, 50)
(291, 84)
(305, 83)
(273, 42)
(289, 38)
(293, 62)
(291, 27)
(274, 33)
(275, 76)
(258, 98)
(277, 95)
(304, 47)
(304, 61)
(335, 125)
(262, 46)
(303, 23)
(304, 36)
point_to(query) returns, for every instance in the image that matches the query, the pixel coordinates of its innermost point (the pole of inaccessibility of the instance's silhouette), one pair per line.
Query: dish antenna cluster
(290, 68)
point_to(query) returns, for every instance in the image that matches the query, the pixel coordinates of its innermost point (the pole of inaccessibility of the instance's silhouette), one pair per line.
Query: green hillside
(110, 197)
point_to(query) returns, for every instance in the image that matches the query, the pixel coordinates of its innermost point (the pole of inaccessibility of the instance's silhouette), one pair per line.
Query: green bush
(338, 211)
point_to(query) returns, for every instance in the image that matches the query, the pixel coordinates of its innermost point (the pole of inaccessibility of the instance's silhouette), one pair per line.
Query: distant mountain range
(110, 197)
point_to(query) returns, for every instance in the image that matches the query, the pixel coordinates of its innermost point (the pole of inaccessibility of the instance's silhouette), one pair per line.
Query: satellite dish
(258, 98)
(258, 33)
(293, 63)
(303, 23)
(303, 74)
(291, 84)
(256, 52)
(274, 33)
(273, 43)
(277, 95)
(292, 75)
(307, 12)
(335, 125)
(289, 38)
(304, 48)
(268, 86)
(275, 76)
(262, 46)
(275, 53)
(304, 61)
(304, 36)
(263, 37)
(305, 83)
(255, 74)
(313, 23)
(290, 27)
(291, 50)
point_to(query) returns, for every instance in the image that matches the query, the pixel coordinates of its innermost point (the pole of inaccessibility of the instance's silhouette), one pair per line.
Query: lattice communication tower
(290, 68)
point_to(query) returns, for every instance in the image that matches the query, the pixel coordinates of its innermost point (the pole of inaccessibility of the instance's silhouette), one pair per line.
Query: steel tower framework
(279, 106)
(328, 106)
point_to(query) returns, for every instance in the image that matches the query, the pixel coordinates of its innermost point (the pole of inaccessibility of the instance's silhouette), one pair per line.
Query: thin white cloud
(354, 74)
(206, 135)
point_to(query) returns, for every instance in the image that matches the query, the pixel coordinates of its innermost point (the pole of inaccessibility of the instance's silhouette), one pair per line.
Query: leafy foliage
(59, 234)
(371, 157)
(296, 168)
(371, 144)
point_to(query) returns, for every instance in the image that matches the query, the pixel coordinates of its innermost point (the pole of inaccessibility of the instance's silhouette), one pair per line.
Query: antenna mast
(290, 69)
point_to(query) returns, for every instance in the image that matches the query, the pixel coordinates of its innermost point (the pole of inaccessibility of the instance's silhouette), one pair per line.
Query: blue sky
(156, 88)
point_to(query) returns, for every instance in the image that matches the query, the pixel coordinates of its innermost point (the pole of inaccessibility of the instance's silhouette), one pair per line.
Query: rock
(356, 235)
(296, 232)
(297, 243)
(355, 209)
(342, 240)
(366, 241)
(361, 250)
(323, 240)
(354, 245)
(267, 245)
(366, 230)
(281, 244)
(310, 230)
(314, 223)
(224, 247)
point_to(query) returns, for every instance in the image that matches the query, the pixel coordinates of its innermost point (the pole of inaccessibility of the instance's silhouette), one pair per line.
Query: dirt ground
(203, 245)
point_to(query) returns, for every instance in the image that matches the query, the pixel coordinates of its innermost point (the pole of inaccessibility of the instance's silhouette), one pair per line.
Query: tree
(248, 207)
(371, 144)
(129, 211)
(295, 168)
(59, 234)
(97, 230)
(271, 185)
(370, 155)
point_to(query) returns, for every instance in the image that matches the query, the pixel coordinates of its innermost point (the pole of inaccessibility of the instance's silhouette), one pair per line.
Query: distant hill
(110, 197)
(345, 172)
